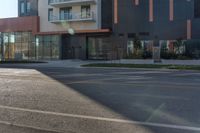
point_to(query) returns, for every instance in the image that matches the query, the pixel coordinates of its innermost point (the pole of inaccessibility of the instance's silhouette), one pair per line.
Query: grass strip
(157, 66)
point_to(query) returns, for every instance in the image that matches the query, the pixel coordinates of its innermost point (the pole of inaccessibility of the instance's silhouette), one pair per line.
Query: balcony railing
(72, 17)
(60, 3)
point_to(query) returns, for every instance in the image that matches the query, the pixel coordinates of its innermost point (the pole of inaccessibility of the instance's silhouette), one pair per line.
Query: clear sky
(8, 8)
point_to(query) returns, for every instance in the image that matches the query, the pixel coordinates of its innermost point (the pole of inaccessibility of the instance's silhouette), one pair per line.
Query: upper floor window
(50, 1)
(66, 13)
(197, 8)
(85, 11)
(50, 14)
(28, 6)
(22, 7)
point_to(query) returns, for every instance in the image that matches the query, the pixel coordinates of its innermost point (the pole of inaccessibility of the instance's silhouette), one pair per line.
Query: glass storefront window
(25, 46)
(47, 50)
(99, 48)
(130, 47)
(47, 47)
(18, 51)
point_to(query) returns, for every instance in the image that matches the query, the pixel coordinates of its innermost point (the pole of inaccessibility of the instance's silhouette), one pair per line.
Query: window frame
(87, 13)
(50, 17)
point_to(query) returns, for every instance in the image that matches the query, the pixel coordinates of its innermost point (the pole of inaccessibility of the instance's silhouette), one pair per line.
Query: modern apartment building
(83, 26)
(17, 35)
(162, 21)
(96, 29)
(57, 29)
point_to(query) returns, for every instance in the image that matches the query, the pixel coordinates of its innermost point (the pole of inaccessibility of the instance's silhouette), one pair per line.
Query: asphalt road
(98, 100)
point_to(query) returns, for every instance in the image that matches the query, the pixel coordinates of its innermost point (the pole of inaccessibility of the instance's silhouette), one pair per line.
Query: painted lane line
(104, 119)
(29, 127)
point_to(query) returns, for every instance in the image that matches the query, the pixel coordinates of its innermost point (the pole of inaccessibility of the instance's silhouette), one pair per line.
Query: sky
(8, 8)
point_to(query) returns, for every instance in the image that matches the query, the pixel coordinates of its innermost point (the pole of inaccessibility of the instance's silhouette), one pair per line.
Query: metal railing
(73, 17)
(65, 1)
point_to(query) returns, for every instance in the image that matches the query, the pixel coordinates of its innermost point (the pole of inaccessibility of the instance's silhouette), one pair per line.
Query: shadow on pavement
(138, 103)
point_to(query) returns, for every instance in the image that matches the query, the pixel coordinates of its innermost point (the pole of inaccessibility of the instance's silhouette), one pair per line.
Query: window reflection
(25, 46)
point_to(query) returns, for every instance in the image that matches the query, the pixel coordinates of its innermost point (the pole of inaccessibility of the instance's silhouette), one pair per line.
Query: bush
(183, 57)
(147, 55)
(168, 55)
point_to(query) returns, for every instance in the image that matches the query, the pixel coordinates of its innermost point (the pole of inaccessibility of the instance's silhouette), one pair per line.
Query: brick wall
(20, 24)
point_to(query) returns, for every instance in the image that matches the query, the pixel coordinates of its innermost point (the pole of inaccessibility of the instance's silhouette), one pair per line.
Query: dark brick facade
(20, 24)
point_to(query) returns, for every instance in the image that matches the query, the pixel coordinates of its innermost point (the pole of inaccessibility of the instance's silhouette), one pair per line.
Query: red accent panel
(189, 29)
(171, 10)
(115, 11)
(136, 2)
(151, 14)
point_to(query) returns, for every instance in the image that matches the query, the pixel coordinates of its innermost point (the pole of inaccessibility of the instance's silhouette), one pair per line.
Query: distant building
(95, 29)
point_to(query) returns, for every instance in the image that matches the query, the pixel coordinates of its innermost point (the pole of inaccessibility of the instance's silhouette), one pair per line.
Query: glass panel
(39, 47)
(32, 54)
(1, 46)
(99, 48)
(66, 13)
(25, 50)
(18, 52)
(50, 17)
(22, 7)
(55, 47)
(130, 48)
(55, 50)
(47, 50)
(85, 11)
(28, 6)
(18, 37)
(6, 45)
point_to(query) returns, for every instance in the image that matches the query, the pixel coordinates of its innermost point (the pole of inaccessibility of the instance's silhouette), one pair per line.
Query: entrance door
(77, 52)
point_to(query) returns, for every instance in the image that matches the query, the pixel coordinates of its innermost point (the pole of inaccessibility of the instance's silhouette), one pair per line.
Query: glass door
(66, 13)
(85, 11)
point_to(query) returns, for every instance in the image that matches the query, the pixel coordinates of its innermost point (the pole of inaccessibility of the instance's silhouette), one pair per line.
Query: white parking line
(29, 127)
(104, 119)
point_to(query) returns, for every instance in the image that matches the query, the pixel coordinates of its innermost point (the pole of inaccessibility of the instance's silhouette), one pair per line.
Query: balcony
(72, 17)
(63, 3)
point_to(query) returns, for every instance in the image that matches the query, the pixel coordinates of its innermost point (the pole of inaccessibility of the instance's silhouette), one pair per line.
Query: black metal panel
(135, 19)
(106, 14)
(73, 46)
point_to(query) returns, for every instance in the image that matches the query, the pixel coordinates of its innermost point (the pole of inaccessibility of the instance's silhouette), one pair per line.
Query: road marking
(110, 79)
(29, 127)
(187, 74)
(141, 72)
(104, 119)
